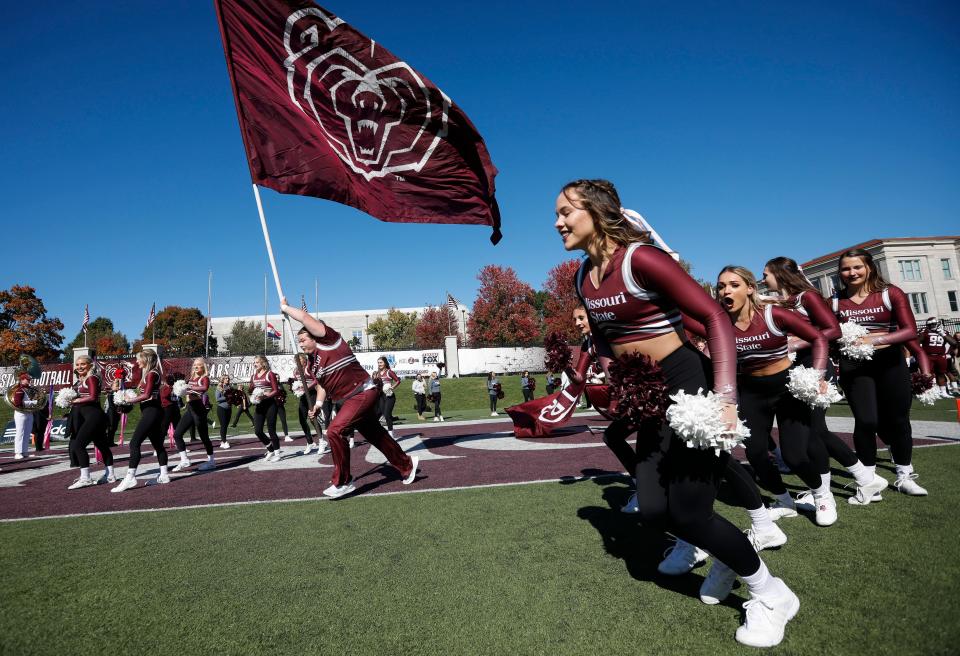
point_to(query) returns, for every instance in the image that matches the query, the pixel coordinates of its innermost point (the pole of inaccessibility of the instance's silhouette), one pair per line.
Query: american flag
(303, 303)
(153, 314)
(86, 317)
(452, 303)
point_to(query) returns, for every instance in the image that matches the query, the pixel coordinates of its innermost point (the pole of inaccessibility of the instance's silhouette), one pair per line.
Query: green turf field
(532, 569)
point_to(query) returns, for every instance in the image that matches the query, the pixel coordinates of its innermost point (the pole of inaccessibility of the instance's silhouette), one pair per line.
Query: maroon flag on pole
(328, 112)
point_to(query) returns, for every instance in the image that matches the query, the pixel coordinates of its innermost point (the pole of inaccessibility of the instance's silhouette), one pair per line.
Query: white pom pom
(256, 396)
(65, 396)
(697, 419)
(124, 397)
(850, 333)
(298, 388)
(929, 397)
(804, 385)
(180, 388)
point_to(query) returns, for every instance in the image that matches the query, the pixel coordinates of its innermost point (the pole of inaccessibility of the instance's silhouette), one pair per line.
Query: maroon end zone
(450, 457)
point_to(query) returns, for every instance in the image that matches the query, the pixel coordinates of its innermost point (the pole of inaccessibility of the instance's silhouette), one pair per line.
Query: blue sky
(741, 130)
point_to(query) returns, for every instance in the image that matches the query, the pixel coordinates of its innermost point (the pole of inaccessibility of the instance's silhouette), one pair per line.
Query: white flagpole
(264, 311)
(273, 261)
(206, 339)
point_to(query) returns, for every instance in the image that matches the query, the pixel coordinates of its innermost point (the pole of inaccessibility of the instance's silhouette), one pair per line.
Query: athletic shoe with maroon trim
(413, 471)
(335, 492)
(825, 509)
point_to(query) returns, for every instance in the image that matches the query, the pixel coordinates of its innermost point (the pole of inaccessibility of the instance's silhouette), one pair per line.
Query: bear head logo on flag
(375, 111)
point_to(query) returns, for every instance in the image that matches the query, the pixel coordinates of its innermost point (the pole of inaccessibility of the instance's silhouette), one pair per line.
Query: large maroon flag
(326, 111)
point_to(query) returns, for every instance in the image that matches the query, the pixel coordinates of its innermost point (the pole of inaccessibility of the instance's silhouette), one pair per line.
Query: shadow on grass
(640, 547)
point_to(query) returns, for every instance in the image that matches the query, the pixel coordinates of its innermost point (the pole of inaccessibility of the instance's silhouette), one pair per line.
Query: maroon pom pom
(920, 383)
(638, 389)
(557, 355)
(234, 396)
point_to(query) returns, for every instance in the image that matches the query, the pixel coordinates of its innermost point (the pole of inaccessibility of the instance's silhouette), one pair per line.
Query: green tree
(102, 337)
(247, 339)
(397, 330)
(180, 331)
(25, 326)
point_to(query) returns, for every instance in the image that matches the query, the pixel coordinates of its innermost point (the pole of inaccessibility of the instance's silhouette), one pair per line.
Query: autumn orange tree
(102, 337)
(25, 326)
(179, 330)
(504, 313)
(434, 325)
(561, 299)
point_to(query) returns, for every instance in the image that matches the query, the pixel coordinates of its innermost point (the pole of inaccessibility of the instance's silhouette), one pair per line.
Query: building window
(358, 336)
(834, 283)
(909, 270)
(816, 283)
(945, 266)
(952, 300)
(919, 302)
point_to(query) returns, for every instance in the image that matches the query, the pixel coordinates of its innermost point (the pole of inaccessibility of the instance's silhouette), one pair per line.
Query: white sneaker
(268, 456)
(287, 438)
(825, 510)
(351, 443)
(633, 505)
(907, 485)
(780, 509)
(81, 482)
(335, 492)
(224, 445)
(276, 456)
(493, 414)
(436, 419)
(869, 493)
(322, 447)
(767, 539)
(182, 465)
(681, 558)
(18, 456)
(413, 472)
(718, 584)
(162, 479)
(127, 483)
(767, 618)
(441, 418)
(106, 478)
(207, 466)
(307, 449)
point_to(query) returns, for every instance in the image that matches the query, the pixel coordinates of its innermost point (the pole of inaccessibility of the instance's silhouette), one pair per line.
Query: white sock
(943, 390)
(904, 470)
(785, 499)
(824, 489)
(762, 584)
(131, 473)
(760, 518)
(85, 473)
(183, 456)
(109, 470)
(210, 458)
(861, 474)
(872, 469)
(163, 470)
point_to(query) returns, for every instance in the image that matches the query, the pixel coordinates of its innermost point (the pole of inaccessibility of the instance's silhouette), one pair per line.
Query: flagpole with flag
(264, 308)
(86, 322)
(206, 340)
(150, 321)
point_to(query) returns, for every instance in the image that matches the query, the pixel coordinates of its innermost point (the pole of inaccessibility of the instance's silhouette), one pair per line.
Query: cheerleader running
(195, 417)
(150, 424)
(783, 275)
(266, 407)
(635, 293)
(878, 389)
(308, 397)
(340, 376)
(90, 425)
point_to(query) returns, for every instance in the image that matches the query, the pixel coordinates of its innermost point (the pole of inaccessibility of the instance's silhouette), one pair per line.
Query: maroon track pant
(360, 413)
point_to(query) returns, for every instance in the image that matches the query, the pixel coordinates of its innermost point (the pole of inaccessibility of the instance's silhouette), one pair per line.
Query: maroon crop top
(88, 391)
(885, 311)
(642, 295)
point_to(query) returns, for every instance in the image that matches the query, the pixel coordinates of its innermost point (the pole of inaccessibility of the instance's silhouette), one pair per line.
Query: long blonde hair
(601, 200)
(263, 359)
(748, 278)
(206, 372)
(150, 359)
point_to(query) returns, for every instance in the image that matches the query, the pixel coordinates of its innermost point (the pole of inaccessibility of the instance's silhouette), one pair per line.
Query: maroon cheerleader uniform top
(885, 311)
(387, 377)
(197, 386)
(336, 368)
(166, 392)
(764, 341)
(148, 391)
(267, 381)
(88, 391)
(812, 306)
(641, 296)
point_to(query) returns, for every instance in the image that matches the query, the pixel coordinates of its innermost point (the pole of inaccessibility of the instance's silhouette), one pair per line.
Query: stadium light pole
(367, 331)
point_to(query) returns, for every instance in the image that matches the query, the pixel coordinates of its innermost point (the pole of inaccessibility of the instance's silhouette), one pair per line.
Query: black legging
(266, 410)
(615, 437)
(436, 404)
(113, 418)
(242, 411)
(91, 426)
(307, 401)
(171, 417)
(677, 485)
(879, 395)
(420, 403)
(282, 416)
(527, 394)
(493, 402)
(223, 417)
(836, 448)
(761, 399)
(195, 416)
(386, 408)
(149, 426)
